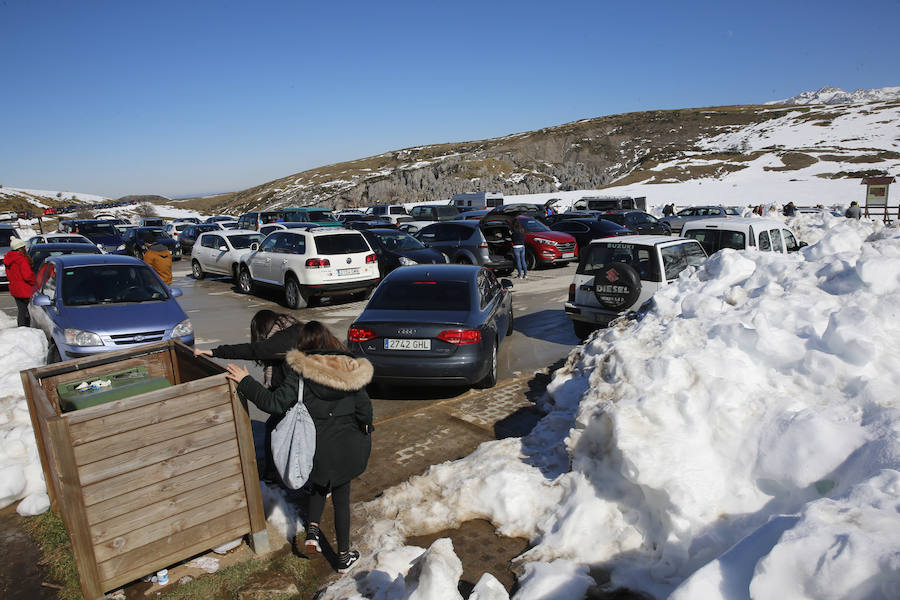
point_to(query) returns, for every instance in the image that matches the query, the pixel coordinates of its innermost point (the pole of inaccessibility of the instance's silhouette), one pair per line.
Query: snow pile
(20, 466)
(742, 439)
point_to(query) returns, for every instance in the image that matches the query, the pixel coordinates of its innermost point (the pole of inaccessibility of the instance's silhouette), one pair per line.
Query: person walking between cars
(853, 212)
(21, 279)
(334, 392)
(272, 336)
(159, 258)
(518, 246)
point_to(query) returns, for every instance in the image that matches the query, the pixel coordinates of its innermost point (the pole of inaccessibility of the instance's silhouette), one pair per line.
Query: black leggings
(340, 499)
(24, 319)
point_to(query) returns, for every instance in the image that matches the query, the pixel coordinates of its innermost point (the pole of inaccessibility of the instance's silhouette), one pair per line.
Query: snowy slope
(741, 440)
(834, 95)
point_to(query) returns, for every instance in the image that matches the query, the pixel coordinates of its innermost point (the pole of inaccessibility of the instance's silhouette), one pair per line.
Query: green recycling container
(123, 384)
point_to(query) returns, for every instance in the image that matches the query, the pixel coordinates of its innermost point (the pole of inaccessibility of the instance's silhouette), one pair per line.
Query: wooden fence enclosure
(147, 481)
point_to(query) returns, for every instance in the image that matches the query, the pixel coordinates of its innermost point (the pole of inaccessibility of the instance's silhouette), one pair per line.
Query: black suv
(188, 236)
(637, 221)
(133, 241)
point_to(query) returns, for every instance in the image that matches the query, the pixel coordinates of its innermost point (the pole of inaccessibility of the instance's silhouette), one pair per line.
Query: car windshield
(533, 225)
(240, 242)
(107, 284)
(341, 243)
(97, 229)
(154, 234)
(602, 255)
(39, 255)
(398, 241)
(421, 295)
(5, 236)
(68, 240)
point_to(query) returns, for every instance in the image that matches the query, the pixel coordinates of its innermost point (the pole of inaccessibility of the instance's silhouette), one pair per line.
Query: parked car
(370, 222)
(25, 214)
(256, 219)
(57, 238)
(573, 214)
(311, 263)
(193, 220)
(743, 234)
(434, 212)
(7, 234)
(100, 232)
(175, 228)
(617, 275)
(585, 230)
(412, 227)
(152, 222)
(638, 222)
(543, 246)
(216, 219)
(472, 243)
(389, 211)
(312, 214)
(49, 212)
(220, 252)
(38, 253)
(396, 248)
(472, 215)
(605, 203)
(87, 304)
(693, 213)
(435, 324)
(188, 236)
(133, 241)
(228, 224)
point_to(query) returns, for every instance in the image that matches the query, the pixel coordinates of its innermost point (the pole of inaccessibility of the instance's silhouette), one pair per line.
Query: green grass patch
(50, 534)
(794, 161)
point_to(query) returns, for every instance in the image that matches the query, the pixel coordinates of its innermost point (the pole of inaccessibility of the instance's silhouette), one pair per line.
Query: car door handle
(284, 261)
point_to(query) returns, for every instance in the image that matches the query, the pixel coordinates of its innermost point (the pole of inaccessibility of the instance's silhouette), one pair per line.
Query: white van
(742, 234)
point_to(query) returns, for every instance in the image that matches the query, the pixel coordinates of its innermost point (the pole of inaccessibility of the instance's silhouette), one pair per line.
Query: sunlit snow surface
(741, 440)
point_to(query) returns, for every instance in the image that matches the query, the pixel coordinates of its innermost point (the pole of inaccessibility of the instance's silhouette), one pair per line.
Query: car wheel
(531, 260)
(490, 380)
(245, 281)
(197, 269)
(293, 296)
(53, 355)
(582, 329)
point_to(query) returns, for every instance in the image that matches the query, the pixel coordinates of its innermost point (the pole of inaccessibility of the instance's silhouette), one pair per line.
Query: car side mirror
(41, 300)
(175, 292)
(223, 248)
(803, 244)
(506, 283)
(254, 246)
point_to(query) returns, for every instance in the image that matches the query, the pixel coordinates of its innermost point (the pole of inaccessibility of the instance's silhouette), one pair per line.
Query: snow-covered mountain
(834, 95)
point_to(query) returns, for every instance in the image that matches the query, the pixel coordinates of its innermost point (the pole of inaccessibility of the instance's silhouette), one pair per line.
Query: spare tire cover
(617, 286)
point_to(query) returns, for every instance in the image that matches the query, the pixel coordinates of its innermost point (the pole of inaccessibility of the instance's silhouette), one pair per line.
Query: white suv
(391, 212)
(310, 263)
(618, 275)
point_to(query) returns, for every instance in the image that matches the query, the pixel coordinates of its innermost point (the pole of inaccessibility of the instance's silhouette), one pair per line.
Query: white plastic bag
(294, 444)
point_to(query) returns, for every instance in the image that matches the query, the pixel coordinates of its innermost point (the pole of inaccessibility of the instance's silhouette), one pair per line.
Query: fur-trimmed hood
(336, 371)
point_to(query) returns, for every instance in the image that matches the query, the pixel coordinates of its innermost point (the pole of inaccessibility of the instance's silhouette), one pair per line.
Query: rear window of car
(97, 229)
(681, 256)
(602, 255)
(239, 242)
(341, 243)
(714, 240)
(421, 295)
(6, 235)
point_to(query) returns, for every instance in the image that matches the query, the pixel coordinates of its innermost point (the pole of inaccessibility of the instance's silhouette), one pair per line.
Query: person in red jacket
(21, 279)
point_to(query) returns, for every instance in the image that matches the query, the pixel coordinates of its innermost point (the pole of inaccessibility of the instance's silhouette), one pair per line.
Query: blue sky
(190, 97)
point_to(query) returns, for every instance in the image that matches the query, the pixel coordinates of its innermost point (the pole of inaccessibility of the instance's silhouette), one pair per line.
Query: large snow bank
(20, 466)
(742, 439)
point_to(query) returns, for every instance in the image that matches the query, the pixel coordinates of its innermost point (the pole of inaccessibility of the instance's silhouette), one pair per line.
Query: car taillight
(315, 263)
(361, 334)
(460, 336)
(571, 292)
(370, 258)
(484, 245)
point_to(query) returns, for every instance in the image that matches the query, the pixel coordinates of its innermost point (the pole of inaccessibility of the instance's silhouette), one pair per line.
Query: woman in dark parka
(335, 395)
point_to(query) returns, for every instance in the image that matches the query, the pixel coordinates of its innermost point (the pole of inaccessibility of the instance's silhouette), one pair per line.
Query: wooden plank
(190, 462)
(164, 528)
(142, 416)
(175, 548)
(192, 367)
(136, 499)
(165, 510)
(176, 391)
(141, 457)
(169, 362)
(73, 512)
(40, 410)
(120, 443)
(244, 433)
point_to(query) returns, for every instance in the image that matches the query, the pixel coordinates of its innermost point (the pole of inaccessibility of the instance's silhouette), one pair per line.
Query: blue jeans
(519, 256)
